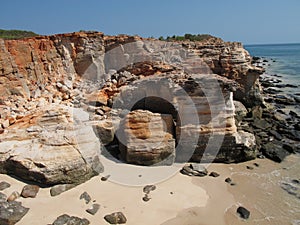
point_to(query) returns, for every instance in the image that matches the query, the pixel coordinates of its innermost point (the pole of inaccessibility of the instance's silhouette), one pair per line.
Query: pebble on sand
(243, 212)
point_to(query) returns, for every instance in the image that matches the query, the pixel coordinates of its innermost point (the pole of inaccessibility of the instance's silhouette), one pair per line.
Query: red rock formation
(50, 72)
(33, 63)
(38, 62)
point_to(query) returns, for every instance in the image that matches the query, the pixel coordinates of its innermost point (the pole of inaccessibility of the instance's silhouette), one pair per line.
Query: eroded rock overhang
(91, 71)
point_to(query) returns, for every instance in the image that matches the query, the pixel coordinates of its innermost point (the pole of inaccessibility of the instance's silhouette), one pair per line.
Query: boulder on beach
(274, 152)
(30, 191)
(194, 169)
(68, 220)
(11, 212)
(116, 218)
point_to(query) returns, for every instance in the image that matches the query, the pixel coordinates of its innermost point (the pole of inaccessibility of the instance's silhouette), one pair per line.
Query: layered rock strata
(50, 148)
(148, 138)
(231, 60)
(42, 77)
(205, 128)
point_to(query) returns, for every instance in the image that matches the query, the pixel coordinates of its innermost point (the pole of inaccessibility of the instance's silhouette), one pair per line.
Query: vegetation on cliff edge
(16, 34)
(190, 37)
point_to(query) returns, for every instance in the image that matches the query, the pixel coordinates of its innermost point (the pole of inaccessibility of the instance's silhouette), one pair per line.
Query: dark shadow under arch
(156, 105)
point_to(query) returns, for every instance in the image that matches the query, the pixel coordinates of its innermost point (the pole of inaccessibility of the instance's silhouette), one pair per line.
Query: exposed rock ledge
(43, 79)
(51, 147)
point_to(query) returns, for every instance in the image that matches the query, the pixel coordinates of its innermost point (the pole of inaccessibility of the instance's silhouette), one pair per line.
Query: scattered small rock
(13, 196)
(93, 209)
(86, 197)
(228, 180)
(243, 212)
(4, 185)
(214, 174)
(11, 212)
(146, 198)
(70, 220)
(256, 164)
(149, 188)
(58, 189)
(249, 167)
(116, 218)
(194, 169)
(30, 191)
(105, 178)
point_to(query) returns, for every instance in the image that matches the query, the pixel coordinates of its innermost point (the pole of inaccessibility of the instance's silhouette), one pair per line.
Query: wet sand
(180, 200)
(258, 190)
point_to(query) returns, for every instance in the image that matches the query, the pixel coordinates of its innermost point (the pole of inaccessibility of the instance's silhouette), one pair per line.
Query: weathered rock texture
(231, 60)
(148, 138)
(66, 219)
(205, 127)
(11, 212)
(44, 79)
(49, 149)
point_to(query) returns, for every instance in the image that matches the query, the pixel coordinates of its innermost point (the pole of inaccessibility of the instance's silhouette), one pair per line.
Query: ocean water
(273, 204)
(283, 60)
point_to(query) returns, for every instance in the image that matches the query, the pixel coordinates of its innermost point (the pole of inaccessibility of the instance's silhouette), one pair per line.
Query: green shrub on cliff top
(16, 34)
(190, 37)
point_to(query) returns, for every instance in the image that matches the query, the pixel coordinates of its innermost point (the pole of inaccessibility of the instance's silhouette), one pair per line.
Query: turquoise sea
(278, 206)
(283, 60)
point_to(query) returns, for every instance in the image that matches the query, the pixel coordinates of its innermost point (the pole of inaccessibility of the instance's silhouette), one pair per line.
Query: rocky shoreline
(58, 117)
(276, 123)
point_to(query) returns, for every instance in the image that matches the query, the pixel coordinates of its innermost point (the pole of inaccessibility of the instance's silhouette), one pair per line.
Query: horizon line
(279, 43)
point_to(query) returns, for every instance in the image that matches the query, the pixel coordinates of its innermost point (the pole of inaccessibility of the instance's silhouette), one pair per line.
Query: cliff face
(38, 63)
(43, 78)
(231, 60)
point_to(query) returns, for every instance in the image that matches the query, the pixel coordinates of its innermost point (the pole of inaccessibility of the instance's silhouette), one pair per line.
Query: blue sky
(251, 22)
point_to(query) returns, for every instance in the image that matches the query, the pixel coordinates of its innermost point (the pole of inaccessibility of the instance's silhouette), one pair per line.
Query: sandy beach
(178, 200)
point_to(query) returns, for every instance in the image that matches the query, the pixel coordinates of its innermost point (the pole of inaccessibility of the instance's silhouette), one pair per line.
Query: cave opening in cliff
(150, 128)
(156, 105)
(159, 105)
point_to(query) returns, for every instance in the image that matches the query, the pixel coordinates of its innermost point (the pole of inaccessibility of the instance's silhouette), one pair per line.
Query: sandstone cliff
(231, 60)
(42, 77)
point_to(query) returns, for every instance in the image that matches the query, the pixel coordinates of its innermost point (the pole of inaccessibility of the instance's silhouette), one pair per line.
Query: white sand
(163, 206)
(194, 200)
